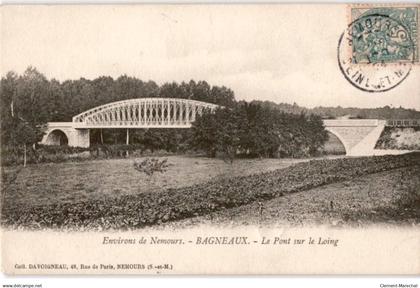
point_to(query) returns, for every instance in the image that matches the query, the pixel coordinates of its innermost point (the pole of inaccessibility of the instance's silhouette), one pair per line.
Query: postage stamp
(378, 48)
(384, 34)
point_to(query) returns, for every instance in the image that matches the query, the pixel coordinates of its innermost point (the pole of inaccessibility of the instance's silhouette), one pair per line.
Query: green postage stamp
(380, 46)
(384, 34)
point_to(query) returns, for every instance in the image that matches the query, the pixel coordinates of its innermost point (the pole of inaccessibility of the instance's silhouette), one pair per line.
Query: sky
(281, 53)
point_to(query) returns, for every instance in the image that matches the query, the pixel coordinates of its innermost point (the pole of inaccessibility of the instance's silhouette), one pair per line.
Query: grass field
(111, 194)
(43, 184)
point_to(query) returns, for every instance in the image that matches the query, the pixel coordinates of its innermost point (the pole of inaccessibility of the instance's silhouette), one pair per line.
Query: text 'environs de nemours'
(219, 240)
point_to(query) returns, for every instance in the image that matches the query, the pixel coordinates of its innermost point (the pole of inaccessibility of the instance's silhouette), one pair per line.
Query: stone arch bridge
(358, 136)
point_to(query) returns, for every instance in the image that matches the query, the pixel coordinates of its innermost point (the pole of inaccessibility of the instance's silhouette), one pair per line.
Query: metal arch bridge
(132, 113)
(143, 113)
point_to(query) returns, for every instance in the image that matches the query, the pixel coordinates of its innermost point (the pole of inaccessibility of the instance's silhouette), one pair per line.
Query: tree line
(385, 112)
(254, 130)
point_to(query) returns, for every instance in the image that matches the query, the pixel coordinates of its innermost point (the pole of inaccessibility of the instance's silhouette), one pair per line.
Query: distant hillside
(335, 112)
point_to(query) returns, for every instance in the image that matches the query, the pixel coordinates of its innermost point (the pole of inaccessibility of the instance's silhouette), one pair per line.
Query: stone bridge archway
(340, 138)
(57, 137)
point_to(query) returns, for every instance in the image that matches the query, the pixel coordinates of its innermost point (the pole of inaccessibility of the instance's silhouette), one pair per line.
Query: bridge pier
(366, 146)
(80, 138)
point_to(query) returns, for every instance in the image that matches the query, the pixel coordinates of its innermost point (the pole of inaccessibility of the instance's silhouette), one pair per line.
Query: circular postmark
(375, 53)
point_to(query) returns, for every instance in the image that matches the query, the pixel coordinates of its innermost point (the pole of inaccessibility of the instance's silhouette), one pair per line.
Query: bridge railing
(135, 124)
(402, 122)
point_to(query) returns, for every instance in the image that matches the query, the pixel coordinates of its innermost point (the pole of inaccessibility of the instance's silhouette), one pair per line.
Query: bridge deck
(352, 122)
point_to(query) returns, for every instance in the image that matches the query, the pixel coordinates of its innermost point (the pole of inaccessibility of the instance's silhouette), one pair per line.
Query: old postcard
(210, 139)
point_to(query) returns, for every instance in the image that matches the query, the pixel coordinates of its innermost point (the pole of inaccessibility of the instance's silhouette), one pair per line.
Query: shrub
(151, 165)
(403, 138)
(55, 154)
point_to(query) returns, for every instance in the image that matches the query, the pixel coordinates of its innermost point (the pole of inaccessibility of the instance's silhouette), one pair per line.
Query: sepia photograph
(155, 139)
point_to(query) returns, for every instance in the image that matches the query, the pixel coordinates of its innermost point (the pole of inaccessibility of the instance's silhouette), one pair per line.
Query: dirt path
(375, 198)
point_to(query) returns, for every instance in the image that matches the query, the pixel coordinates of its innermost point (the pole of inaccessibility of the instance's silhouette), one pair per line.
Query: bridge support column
(79, 138)
(366, 147)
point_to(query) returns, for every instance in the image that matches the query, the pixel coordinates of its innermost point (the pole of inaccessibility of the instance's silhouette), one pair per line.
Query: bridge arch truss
(143, 113)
